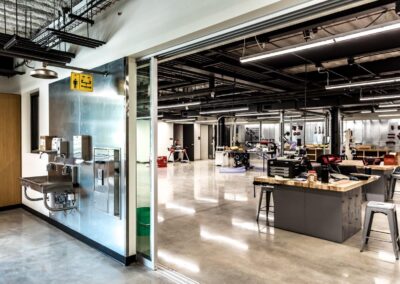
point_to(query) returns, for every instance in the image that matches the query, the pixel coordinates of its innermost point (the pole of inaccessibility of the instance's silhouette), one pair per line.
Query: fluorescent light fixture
(180, 105)
(386, 110)
(148, 117)
(181, 120)
(390, 115)
(283, 51)
(366, 111)
(278, 117)
(389, 105)
(247, 114)
(207, 121)
(268, 117)
(324, 42)
(369, 31)
(306, 119)
(386, 97)
(364, 83)
(224, 110)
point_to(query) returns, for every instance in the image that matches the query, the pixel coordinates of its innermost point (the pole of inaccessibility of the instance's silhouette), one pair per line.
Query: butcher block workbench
(328, 211)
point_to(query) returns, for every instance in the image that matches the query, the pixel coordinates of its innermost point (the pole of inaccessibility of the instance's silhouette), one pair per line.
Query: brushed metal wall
(101, 115)
(374, 132)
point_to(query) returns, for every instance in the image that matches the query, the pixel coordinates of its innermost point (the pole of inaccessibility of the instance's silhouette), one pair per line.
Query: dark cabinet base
(329, 215)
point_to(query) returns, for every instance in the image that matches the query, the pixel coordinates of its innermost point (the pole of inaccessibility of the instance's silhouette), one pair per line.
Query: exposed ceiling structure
(295, 80)
(43, 30)
(32, 14)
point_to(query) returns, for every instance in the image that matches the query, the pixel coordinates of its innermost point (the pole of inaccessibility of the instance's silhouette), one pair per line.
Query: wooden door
(10, 149)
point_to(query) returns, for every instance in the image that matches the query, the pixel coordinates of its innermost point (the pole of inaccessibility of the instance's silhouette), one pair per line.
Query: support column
(282, 131)
(221, 132)
(336, 131)
(327, 132)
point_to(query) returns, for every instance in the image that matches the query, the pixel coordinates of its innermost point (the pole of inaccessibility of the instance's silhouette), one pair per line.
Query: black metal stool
(389, 209)
(268, 190)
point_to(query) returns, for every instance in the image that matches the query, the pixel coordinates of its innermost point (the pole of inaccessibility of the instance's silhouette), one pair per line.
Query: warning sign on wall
(81, 82)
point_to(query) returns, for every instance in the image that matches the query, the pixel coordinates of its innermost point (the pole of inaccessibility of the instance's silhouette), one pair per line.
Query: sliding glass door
(146, 161)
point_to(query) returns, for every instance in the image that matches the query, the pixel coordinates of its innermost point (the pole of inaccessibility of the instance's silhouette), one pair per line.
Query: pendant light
(44, 73)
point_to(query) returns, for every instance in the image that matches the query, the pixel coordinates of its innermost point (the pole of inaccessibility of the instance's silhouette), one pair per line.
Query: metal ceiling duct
(44, 73)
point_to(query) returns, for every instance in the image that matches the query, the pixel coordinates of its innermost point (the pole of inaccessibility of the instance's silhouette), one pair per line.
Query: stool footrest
(379, 239)
(382, 232)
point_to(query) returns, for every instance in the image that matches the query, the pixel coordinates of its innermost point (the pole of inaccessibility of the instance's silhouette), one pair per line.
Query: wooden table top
(339, 186)
(360, 164)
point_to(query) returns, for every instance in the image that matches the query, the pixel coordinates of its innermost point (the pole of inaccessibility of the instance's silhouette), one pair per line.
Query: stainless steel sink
(43, 185)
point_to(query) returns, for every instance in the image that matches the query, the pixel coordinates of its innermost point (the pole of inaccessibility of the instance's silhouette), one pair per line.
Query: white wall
(197, 147)
(204, 142)
(165, 137)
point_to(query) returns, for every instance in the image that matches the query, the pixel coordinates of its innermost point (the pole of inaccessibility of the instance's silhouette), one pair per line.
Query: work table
(338, 186)
(360, 165)
(379, 190)
(330, 211)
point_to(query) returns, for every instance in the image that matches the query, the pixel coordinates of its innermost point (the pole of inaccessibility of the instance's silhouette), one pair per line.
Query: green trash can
(143, 221)
(143, 230)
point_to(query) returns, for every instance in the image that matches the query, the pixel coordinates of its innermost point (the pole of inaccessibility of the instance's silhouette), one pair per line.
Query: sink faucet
(41, 154)
(61, 156)
(66, 170)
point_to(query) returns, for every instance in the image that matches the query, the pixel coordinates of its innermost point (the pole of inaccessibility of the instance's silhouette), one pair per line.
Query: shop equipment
(268, 191)
(388, 209)
(221, 157)
(162, 161)
(287, 168)
(177, 149)
(242, 159)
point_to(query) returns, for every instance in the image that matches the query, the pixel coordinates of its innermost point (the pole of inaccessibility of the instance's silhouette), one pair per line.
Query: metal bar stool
(267, 190)
(395, 176)
(389, 210)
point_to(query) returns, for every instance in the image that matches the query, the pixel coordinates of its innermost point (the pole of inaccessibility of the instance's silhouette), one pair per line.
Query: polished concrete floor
(32, 251)
(208, 232)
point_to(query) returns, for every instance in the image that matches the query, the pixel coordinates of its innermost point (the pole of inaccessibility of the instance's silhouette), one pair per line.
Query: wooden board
(339, 186)
(10, 149)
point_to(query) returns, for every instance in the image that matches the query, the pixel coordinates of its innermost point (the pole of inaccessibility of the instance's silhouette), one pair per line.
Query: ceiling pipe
(104, 73)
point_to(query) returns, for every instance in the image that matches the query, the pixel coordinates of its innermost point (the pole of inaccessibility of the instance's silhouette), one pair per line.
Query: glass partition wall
(146, 168)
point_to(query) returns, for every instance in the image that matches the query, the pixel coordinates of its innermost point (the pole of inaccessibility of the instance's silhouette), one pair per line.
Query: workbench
(379, 191)
(330, 211)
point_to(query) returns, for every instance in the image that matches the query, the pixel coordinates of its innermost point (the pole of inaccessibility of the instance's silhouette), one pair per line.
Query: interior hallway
(32, 251)
(208, 232)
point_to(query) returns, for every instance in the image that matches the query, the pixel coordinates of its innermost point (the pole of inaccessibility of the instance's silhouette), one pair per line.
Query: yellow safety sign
(81, 82)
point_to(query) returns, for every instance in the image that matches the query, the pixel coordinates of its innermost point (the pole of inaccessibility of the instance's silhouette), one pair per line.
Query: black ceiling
(43, 30)
(218, 79)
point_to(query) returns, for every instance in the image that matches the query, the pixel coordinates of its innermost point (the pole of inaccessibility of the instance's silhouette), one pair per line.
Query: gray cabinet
(329, 215)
